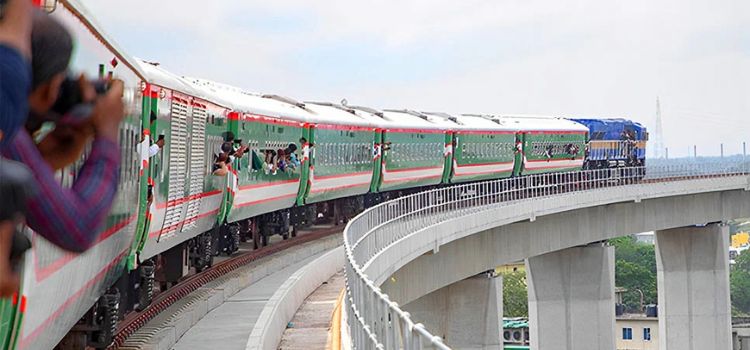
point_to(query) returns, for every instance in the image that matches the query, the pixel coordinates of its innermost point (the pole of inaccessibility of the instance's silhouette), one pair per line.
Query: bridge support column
(467, 314)
(693, 283)
(571, 299)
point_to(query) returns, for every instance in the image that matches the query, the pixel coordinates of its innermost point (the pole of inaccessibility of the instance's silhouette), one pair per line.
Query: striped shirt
(71, 218)
(15, 83)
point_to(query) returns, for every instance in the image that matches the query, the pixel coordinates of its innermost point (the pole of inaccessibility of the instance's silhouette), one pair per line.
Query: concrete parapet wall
(282, 306)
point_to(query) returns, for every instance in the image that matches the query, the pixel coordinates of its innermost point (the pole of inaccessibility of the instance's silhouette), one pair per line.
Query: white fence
(376, 322)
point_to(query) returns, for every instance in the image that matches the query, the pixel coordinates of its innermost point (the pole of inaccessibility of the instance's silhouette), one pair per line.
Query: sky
(580, 58)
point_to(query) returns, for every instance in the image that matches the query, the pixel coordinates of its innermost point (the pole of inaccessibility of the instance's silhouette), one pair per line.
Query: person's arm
(153, 150)
(15, 70)
(70, 218)
(8, 277)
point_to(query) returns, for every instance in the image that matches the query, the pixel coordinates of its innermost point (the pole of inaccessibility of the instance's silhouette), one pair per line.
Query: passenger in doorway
(548, 151)
(156, 147)
(68, 217)
(281, 160)
(293, 160)
(269, 166)
(220, 166)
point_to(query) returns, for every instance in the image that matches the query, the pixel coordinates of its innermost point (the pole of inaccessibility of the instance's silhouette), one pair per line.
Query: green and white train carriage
(187, 199)
(550, 144)
(343, 162)
(415, 150)
(484, 149)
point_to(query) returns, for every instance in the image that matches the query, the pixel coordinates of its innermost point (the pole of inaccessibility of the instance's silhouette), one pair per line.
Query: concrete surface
(693, 285)
(310, 326)
(280, 308)
(572, 299)
(466, 314)
(167, 328)
(229, 325)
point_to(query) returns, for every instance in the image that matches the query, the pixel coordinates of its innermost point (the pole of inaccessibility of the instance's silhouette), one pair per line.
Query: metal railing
(376, 322)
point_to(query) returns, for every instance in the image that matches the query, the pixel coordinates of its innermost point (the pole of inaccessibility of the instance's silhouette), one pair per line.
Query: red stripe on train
(44, 272)
(35, 333)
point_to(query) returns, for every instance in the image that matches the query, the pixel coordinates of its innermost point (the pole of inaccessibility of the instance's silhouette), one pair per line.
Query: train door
(377, 159)
(177, 167)
(520, 149)
(195, 166)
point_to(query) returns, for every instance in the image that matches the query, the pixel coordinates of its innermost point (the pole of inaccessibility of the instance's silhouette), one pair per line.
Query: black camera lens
(71, 95)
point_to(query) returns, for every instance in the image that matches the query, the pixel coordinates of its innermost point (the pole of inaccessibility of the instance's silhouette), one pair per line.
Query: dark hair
(228, 136)
(51, 48)
(161, 137)
(226, 147)
(302, 140)
(292, 147)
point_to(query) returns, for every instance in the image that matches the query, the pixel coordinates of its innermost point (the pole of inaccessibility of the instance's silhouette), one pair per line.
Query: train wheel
(146, 286)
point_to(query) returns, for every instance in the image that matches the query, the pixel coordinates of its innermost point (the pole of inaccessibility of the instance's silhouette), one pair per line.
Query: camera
(69, 108)
(70, 99)
(15, 188)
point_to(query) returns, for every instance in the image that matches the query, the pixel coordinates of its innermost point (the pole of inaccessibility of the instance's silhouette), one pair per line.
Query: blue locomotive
(614, 143)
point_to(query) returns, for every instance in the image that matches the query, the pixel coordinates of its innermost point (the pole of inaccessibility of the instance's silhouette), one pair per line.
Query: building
(646, 237)
(740, 239)
(637, 332)
(515, 333)
(512, 267)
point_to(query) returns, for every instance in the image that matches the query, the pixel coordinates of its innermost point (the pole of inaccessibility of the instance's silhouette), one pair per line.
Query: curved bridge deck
(471, 228)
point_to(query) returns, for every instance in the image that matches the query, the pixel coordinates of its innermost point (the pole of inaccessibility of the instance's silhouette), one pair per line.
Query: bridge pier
(571, 299)
(467, 314)
(693, 284)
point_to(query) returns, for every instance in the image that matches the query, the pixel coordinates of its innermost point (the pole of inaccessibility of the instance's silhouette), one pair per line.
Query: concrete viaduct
(432, 267)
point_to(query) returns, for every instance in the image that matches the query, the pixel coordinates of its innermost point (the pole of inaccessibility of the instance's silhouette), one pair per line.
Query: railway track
(163, 300)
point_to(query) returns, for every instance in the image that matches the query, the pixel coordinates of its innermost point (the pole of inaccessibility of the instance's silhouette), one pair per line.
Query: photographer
(68, 217)
(15, 81)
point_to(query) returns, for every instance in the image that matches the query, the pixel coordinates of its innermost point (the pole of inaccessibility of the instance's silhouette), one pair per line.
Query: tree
(515, 294)
(739, 284)
(635, 269)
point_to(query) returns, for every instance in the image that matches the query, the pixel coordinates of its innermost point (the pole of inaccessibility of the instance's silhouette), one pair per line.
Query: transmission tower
(658, 136)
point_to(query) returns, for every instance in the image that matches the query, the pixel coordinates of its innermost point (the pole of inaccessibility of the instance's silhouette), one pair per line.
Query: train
(301, 162)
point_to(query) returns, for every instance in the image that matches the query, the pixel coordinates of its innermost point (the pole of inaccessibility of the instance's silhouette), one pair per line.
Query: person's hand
(109, 111)
(66, 143)
(8, 277)
(15, 27)
(240, 151)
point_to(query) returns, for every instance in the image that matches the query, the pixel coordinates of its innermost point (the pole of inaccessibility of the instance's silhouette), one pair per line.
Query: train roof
(608, 121)
(89, 21)
(537, 123)
(157, 75)
(476, 123)
(339, 114)
(611, 128)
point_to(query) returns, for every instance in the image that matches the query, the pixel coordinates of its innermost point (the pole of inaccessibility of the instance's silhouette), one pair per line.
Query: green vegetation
(635, 269)
(739, 283)
(515, 294)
